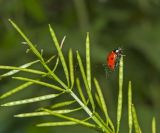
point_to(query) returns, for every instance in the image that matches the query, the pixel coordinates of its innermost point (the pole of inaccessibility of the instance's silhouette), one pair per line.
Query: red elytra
(113, 58)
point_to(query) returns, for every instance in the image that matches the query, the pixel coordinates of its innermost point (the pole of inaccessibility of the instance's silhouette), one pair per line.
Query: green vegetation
(86, 100)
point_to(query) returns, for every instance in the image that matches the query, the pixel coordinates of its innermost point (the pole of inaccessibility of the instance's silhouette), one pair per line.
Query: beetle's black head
(118, 51)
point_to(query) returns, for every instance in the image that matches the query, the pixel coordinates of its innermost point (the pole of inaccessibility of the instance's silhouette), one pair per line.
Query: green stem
(93, 117)
(53, 75)
(87, 110)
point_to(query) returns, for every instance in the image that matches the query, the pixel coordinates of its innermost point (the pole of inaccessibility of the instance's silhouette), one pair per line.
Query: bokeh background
(133, 25)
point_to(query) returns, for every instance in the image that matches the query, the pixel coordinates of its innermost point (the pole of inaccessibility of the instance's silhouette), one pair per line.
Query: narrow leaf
(40, 83)
(31, 100)
(44, 113)
(135, 120)
(57, 60)
(88, 61)
(61, 56)
(15, 90)
(62, 104)
(48, 124)
(103, 104)
(50, 59)
(32, 47)
(98, 101)
(56, 64)
(16, 71)
(153, 125)
(120, 96)
(130, 107)
(101, 98)
(99, 118)
(71, 68)
(32, 114)
(80, 91)
(64, 123)
(85, 81)
(38, 54)
(71, 119)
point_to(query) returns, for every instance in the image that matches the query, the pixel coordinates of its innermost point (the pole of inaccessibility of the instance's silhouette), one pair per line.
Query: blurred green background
(133, 25)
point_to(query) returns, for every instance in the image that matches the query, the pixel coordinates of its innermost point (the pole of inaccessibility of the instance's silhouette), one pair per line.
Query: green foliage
(31, 100)
(130, 123)
(135, 121)
(120, 96)
(60, 54)
(153, 125)
(87, 103)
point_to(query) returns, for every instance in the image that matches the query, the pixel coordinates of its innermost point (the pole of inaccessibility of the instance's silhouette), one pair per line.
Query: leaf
(65, 123)
(101, 98)
(56, 64)
(44, 113)
(62, 104)
(57, 60)
(88, 61)
(16, 71)
(80, 91)
(38, 54)
(39, 82)
(71, 67)
(98, 101)
(120, 96)
(85, 81)
(32, 47)
(102, 102)
(153, 125)
(71, 119)
(31, 100)
(15, 90)
(50, 59)
(135, 120)
(130, 107)
(103, 123)
(61, 56)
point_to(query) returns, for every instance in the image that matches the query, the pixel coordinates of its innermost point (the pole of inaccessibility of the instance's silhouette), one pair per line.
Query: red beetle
(113, 58)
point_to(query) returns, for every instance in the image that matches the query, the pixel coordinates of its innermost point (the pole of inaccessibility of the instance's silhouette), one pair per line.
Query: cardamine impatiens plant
(72, 86)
